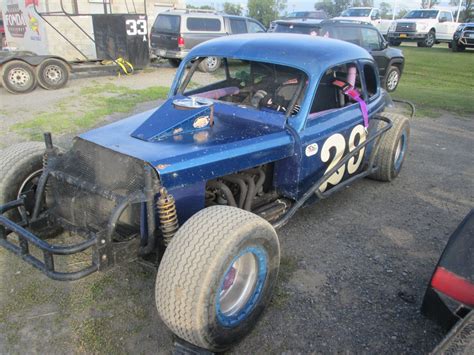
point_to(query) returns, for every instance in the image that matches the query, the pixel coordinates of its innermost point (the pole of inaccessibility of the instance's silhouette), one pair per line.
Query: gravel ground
(354, 267)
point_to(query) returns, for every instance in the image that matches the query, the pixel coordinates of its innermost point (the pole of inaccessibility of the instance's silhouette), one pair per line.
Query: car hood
(184, 152)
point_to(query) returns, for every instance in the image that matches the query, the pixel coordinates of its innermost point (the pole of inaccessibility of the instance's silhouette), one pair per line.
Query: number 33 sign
(136, 27)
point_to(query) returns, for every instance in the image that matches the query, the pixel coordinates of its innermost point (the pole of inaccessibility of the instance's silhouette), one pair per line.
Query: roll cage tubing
(298, 121)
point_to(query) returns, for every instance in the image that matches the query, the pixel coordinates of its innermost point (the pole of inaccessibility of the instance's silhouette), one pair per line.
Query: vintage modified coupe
(202, 182)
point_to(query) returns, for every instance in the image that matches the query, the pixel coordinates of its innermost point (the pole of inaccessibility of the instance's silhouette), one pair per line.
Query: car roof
(201, 13)
(299, 21)
(308, 53)
(322, 23)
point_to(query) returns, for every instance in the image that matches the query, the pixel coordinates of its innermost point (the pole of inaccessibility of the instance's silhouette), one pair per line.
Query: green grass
(93, 105)
(436, 80)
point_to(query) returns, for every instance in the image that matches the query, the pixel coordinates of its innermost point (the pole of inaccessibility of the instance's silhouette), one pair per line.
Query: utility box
(122, 36)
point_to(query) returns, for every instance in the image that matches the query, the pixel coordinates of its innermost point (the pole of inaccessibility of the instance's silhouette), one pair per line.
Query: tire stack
(19, 77)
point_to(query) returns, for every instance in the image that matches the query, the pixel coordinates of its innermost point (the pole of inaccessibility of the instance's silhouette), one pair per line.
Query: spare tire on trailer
(18, 77)
(217, 275)
(52, 73)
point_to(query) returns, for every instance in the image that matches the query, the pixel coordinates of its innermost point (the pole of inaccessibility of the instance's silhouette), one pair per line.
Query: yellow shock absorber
(167, 214)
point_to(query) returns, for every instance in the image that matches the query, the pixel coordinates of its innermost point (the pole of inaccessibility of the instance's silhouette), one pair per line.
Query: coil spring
(168, 217)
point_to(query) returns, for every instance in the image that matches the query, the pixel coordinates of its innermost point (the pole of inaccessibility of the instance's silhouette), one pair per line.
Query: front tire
(18, 77)
(392, 149)
(20, 168)
(217, 276)
(394, 43)
(429, 41)
(455, 47)
(392, 79)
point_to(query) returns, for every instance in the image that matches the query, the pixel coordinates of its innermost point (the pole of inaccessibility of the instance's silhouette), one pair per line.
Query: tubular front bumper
(100, 248)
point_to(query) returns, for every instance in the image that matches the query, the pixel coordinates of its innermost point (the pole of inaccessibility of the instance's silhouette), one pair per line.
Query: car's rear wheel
(174, 62)
(18, 77)
(20, 168)
(392, 149)
(392, 79)
(52, 74)
(210, 64)
(217, 276)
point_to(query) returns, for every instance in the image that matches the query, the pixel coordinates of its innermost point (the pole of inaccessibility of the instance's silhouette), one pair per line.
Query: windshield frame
(358, 12)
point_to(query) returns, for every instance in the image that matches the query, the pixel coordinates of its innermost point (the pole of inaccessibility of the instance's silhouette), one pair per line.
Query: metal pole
(459, 11)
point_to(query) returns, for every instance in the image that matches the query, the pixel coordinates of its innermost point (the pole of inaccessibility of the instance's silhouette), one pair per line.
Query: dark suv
(175, 32)
(463, 37)
(390, 61)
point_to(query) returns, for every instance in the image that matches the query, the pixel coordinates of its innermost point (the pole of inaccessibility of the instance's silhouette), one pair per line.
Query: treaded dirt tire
(18, 77)
(52, 74)
(17, 163)
(194, 275)
(389, 158)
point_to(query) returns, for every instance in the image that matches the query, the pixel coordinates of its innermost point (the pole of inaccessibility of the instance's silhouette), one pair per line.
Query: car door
(334, 127)
(373, 41)
(444, 20)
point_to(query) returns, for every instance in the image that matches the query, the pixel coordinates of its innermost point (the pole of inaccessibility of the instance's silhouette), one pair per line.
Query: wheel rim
(28, 190)
(241, 286)
(211, 62)
(19, 77)
(53, 74)
(400, 151)
(392, 80)
(430, 39)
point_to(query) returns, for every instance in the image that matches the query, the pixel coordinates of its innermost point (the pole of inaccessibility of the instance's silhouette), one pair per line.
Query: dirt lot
(354, 267)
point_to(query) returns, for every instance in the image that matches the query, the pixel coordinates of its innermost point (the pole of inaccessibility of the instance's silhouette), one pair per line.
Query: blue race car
(203, 181)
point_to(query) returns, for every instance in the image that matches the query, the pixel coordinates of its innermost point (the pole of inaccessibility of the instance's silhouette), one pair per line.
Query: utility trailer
(49, 40)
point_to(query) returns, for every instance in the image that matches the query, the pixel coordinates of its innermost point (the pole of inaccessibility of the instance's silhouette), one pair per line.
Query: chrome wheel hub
(19, 77)
(53, 74)
(239, 284)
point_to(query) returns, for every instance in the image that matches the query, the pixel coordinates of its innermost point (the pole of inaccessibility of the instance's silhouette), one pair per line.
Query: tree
(428, 4)
(367, 3)
(333, 7)
(385, 10)
(265, 11)
(232, 9)
(401, 13)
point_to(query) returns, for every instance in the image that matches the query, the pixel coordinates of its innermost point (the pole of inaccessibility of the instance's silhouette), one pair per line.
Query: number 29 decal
(337, 142)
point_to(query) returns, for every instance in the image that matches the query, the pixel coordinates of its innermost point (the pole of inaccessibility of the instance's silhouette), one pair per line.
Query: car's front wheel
(455, 47)
(429, 40)
(394, 43)
(217, 276)
(392, 79)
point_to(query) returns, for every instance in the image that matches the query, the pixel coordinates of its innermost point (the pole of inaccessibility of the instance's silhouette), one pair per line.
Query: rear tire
(217, 275)
(20, 165)
(52, 74)
(394, 43)
(18, 77)
(174, 62)
(392, 79)
(392, 149)
(210, 64)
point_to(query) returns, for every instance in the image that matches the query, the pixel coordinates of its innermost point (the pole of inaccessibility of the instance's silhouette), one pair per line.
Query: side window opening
(203, 24)
(238, 26)
(329, 96)
(370, 80)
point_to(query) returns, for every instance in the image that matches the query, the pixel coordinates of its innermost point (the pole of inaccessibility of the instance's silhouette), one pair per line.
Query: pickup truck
(424, 26)
(366, 14)
(201, 183)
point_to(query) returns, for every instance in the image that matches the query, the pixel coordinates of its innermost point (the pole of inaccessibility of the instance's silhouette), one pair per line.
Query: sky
(309, 4)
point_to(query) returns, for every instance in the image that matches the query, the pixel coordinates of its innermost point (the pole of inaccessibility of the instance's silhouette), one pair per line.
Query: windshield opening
(263, 86)
(356, 13)
(422, 14)
(295, 28)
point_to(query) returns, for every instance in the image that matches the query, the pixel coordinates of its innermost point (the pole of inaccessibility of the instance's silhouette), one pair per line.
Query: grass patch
(437, 79)
(94, 104)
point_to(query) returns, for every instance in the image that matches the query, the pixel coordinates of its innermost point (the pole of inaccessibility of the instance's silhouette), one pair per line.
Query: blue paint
(242, 314)
(242, 137)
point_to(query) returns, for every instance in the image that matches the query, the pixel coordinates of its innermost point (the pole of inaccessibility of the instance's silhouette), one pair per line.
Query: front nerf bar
(105, 252)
